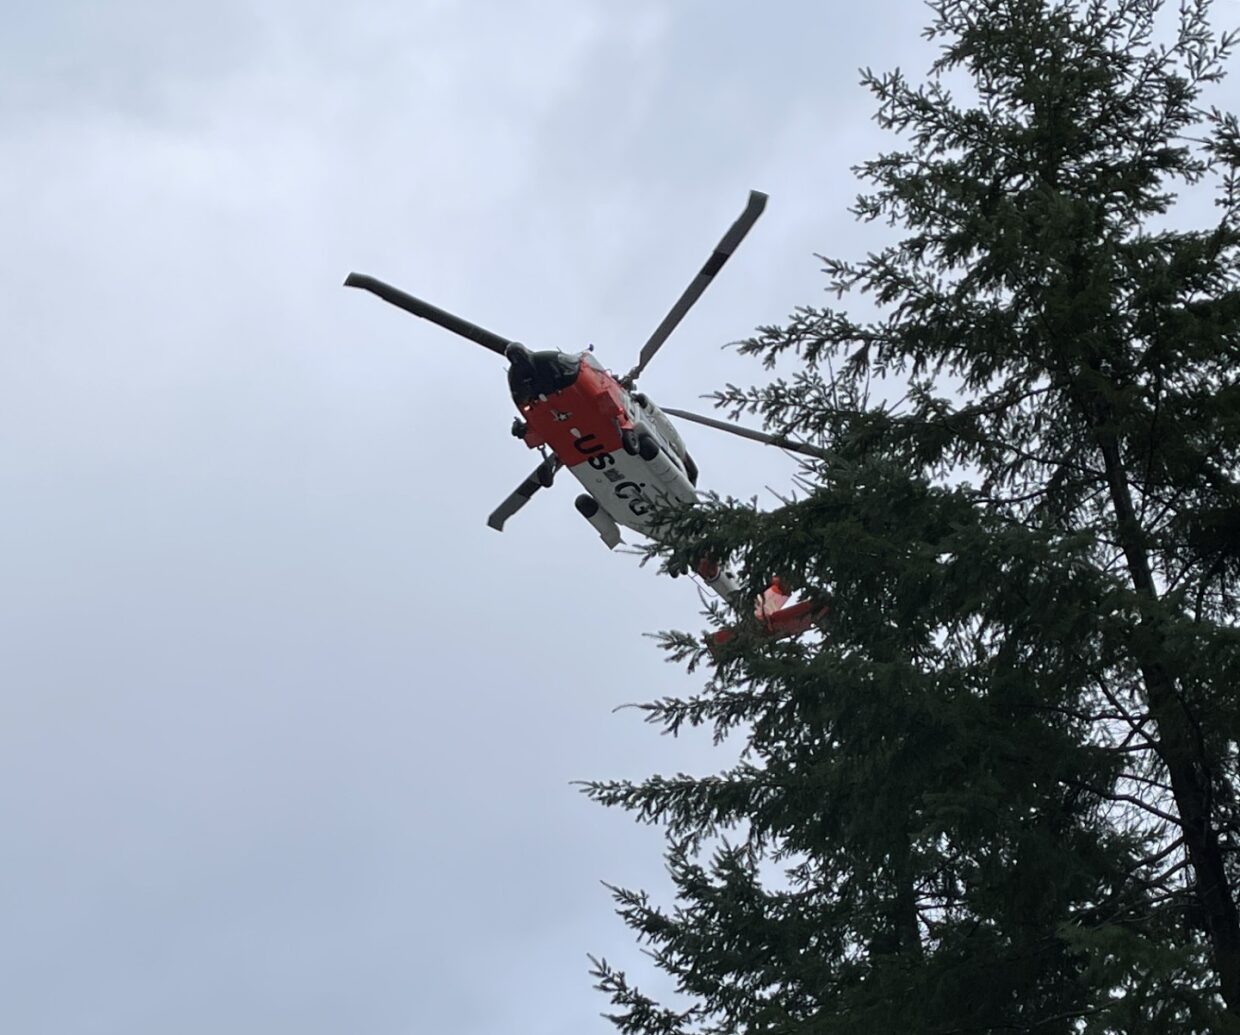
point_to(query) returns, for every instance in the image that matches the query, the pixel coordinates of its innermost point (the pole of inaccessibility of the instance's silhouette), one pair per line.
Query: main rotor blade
(520, 496)
(449, 321)
(756, 436)
(723, 250)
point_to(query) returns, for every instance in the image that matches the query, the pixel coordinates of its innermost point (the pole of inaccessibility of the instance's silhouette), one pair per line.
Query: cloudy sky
(286, 733)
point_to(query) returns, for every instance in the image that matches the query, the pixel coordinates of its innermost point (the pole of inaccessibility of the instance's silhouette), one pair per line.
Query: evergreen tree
(998, 791)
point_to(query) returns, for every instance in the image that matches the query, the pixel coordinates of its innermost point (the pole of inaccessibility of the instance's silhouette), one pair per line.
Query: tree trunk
(1180, 749)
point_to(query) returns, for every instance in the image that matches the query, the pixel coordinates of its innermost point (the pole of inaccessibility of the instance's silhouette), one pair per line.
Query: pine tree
(998, 791)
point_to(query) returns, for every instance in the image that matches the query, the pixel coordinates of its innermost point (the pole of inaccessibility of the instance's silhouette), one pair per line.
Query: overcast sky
(286, 732)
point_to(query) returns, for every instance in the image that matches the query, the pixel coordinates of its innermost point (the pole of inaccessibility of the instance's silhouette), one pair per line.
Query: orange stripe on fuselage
(582, 421)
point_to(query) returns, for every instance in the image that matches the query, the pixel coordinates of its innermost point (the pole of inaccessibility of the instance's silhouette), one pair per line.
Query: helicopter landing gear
(607, 529)
(519, 427)
(639, 443)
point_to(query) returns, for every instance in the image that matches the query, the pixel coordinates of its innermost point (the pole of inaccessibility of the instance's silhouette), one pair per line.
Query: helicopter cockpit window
(535, 374)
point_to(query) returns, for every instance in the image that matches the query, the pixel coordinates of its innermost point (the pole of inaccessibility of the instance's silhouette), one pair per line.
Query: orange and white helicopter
(613, 439)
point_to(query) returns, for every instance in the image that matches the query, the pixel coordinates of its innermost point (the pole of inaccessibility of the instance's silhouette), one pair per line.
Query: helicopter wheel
(628, 439)
(647, 447)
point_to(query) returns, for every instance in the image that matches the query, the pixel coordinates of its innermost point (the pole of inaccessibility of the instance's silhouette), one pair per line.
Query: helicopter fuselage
(618, 444)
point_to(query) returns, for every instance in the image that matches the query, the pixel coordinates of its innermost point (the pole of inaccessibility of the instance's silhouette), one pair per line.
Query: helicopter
(622, 447)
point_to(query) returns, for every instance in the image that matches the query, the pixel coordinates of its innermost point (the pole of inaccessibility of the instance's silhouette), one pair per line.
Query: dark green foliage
(999, 791)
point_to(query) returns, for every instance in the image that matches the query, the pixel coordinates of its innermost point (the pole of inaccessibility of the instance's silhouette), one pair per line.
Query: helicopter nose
(522, 376)
(535, 375)
(517, 354)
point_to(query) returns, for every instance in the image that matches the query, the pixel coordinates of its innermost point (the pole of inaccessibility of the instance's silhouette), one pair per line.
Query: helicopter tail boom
(775, 619)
